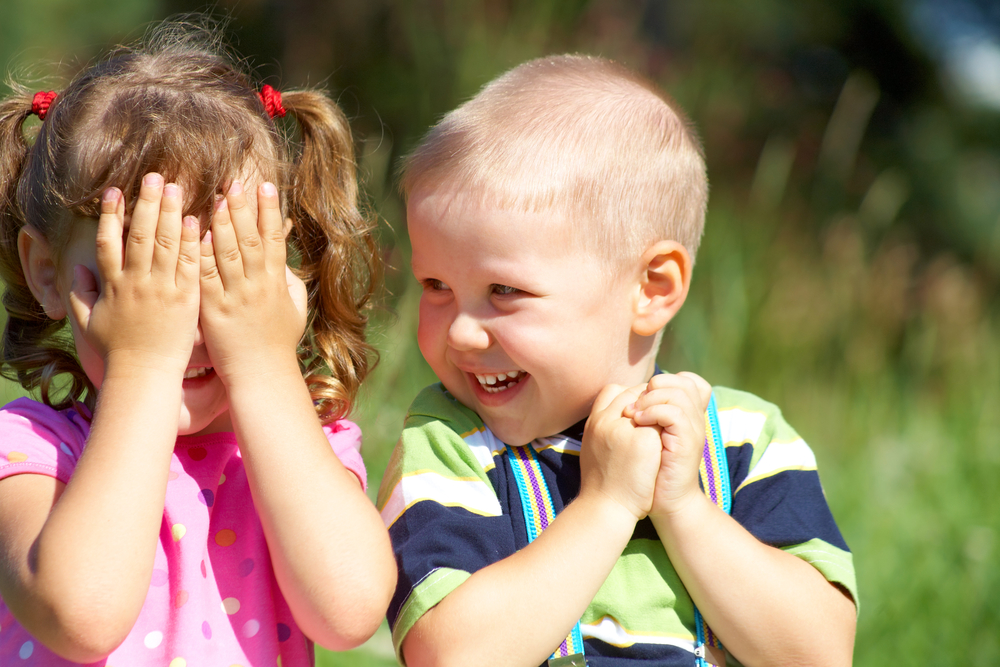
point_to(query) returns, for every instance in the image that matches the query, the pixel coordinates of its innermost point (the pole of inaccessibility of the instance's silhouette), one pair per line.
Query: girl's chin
(193, 426)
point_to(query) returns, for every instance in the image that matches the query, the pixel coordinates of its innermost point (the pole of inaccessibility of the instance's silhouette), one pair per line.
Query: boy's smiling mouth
(494, 384)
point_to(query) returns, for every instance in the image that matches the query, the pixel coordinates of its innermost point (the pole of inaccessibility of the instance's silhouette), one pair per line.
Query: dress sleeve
(37, 439)
(345, 439)
(777, 495)
(442, 511)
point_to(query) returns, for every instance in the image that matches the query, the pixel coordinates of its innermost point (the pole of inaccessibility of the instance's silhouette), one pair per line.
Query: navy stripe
(787, 508)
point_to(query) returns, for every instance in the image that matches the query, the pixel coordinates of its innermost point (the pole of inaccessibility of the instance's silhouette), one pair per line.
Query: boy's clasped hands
(163, 293)
(643, 445)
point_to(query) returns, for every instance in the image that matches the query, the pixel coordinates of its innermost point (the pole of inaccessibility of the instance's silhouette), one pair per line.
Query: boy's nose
(467, 333)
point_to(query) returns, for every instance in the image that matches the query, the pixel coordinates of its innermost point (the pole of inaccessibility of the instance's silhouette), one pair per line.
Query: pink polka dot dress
(213, 599)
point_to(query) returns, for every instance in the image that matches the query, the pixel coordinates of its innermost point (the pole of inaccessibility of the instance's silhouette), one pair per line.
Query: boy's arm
(767, 606)
(517, 610)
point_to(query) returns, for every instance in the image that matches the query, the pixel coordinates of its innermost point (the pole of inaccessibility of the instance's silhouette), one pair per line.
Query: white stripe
(739, 426)
(610, 632)
(484, 446)
(560, 443)
(474, 495)
(779, 456)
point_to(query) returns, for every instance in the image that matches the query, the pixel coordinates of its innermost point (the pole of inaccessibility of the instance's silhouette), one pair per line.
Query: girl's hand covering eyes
(253, 309)
(145, 308)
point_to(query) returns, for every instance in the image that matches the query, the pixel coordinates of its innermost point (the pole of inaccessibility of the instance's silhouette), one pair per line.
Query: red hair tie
(41, 102)
(272, 101)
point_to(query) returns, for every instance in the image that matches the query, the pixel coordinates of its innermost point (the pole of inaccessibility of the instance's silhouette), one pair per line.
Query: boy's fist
(676, 404)
(618, 459)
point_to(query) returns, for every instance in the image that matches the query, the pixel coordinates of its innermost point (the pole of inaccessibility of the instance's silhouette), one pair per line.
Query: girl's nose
(467, 333)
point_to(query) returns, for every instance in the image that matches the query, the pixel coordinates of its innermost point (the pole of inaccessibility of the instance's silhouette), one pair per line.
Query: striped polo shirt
(450, 502)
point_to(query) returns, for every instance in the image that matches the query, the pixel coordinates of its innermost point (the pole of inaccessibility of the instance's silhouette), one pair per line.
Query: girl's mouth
(494, 384)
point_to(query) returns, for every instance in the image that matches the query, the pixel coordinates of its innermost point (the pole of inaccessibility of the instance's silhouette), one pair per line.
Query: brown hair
(578, 132)
(179, 105)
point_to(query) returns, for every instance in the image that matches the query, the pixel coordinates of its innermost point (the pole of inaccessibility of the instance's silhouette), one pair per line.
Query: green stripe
(835, 564)
(434, 587)
(644, 594)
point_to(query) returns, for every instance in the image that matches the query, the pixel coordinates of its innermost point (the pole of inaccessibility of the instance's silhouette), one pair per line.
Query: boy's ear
(39, 268)
(663, 286)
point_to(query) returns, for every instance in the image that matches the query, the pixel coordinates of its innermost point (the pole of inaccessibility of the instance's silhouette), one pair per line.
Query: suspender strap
(536, 503)
(714, 472)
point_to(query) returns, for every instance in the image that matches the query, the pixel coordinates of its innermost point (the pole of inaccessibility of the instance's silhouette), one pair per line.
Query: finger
(606, 396)
(110, 227)
(245, 230)
(228, 260)
(211, 281)
(168, 230)
(297, 290)
(270, 225)
(83, 294)
(189, 254)
(702, 387)
(142, 230)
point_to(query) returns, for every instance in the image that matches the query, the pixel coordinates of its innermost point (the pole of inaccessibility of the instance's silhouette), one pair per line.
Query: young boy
(554, 220)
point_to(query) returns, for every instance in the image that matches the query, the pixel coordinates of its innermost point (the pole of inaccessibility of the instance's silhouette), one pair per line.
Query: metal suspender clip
(575, 660)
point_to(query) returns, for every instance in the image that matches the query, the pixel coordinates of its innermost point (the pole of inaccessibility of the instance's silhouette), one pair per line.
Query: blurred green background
(851, 258)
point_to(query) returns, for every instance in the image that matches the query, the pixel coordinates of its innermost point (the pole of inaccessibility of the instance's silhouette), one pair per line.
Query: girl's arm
(76, 560)
(331, 553)
(767, 606)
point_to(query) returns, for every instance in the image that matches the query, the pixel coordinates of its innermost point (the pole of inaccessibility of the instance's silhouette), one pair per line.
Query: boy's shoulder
(434, 404)
(745, 419)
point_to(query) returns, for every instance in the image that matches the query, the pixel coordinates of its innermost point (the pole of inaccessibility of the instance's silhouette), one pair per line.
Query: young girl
(190, 500)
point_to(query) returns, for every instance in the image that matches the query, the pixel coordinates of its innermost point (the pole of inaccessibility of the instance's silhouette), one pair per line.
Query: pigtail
(34, 349)
(339, 262)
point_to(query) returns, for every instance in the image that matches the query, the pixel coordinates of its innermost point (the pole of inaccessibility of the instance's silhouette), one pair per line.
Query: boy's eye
(505, 290)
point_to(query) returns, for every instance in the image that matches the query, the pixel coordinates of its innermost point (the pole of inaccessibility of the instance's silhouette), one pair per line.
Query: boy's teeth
(498, 383)
(196, 372)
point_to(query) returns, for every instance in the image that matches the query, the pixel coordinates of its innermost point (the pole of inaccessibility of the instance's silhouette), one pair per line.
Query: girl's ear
(39, 268)
(663, 286)
(286, 227)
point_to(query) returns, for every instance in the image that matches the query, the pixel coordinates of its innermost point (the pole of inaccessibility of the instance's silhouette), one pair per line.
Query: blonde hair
(179, 105)
(580, 133)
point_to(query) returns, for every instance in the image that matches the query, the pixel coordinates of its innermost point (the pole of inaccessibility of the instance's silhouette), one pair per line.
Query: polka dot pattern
(181, 599)
(64, 448)
(160, 577)
(197, 453)
(153, 639)
(206, 497)
(206, 630)
(251, 627)
(225, 537)
(178, 662)
(222, 479)
(204, 572)
(178, 531)
(27, 648)
(284, 632)
(245, 567)
(171, 476)
(230, 606)
(16, 457)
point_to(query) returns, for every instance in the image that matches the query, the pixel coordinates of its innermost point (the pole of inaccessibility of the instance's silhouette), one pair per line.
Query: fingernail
(220, 202)
(170, 190)
(152, 180)
(268, 190)
(111, 194)
(208, 237)
(191, 221)
(236, 188)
